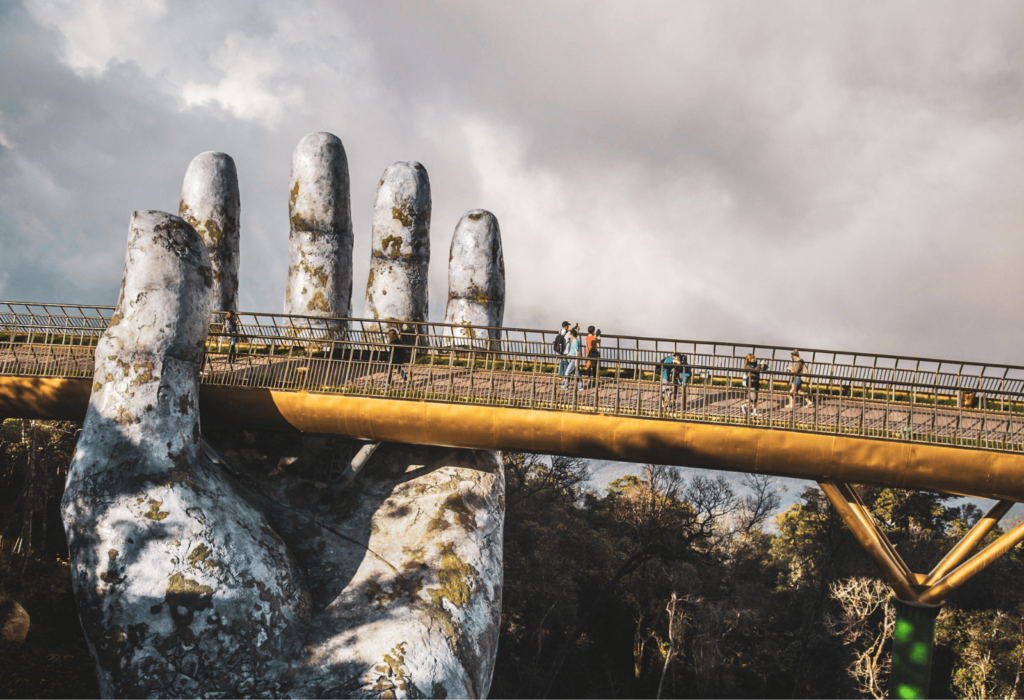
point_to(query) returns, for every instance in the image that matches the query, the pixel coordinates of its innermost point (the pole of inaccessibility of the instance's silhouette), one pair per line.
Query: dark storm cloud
(815, 174)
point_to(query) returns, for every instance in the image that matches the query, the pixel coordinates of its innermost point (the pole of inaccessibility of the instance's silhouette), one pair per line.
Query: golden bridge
(910, 423)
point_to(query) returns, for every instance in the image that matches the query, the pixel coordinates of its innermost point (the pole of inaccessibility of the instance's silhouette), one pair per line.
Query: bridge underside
(790, 453)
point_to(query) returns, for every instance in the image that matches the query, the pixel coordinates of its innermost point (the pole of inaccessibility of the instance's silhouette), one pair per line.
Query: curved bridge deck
(909, 422)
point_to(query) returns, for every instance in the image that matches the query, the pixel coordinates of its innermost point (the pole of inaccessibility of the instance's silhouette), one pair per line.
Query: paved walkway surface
(513, 382)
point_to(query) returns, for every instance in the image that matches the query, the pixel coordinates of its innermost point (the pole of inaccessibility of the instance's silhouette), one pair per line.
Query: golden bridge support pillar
(919, 597)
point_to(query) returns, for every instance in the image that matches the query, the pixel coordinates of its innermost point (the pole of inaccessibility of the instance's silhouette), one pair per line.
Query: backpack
(559, 344)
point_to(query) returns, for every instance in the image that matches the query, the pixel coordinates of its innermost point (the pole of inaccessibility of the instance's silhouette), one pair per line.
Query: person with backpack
(752, 381)
(559, 347)
(796, 371)
(675, 373)
(573, 351)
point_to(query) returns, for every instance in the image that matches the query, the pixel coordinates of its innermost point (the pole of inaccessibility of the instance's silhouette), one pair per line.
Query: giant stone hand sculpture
(218, 563)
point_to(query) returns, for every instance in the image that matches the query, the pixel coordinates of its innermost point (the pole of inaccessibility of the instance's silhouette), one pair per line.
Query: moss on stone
(154, 512)
(393, 677)
(180, 585)
(402, 214)
(393, 242)
(125, 418)
(457, 578)
(317, 273)
(200, 555)
(416, 554)
(181, 473)
(144, 373)
(213, 233)
(318, 303)
(462, 513)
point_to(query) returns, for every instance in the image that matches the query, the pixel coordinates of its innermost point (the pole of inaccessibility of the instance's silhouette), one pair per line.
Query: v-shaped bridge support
(919, 596)
(953, 571)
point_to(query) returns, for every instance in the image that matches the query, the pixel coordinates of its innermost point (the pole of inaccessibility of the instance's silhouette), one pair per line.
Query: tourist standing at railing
(593, 353)
(231, 328)
(752, 381)
(676, 373)
(589, 340)
(560, 347)
(796, 371)
(399, 355)
(573, 348)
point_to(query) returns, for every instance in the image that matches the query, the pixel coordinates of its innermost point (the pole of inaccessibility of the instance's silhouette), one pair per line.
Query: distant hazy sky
(846, 175)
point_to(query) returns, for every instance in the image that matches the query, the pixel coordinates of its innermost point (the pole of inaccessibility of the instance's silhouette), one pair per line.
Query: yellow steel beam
(860, 510)
(802, 455)
(870, 538)
(971, 540)
(934, 595)
(42, 398)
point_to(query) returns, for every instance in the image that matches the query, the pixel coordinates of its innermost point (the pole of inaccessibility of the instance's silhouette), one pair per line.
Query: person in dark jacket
(231, 328)
(753, 383)
(399, 354)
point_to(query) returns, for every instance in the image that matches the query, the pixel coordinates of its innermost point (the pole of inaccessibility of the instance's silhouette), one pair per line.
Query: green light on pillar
(912, 642)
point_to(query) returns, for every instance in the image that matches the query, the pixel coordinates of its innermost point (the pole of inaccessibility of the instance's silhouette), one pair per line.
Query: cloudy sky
(816, 174)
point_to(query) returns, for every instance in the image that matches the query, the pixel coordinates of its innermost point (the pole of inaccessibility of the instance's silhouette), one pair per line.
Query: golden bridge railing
(882, 397)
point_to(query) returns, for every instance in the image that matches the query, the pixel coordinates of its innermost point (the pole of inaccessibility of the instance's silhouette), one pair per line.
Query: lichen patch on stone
(458, 578)
(154, 512)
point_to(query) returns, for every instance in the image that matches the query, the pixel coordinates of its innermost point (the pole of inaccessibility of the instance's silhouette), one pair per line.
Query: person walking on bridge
(399, 354)
(231, 328)
(573, 350)
(752, 380)
(593, 353)
(796, 370)
(560, 347)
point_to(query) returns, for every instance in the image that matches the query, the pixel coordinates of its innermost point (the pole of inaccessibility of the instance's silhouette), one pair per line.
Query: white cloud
(816, 174)
(100, 31)
(251, 88)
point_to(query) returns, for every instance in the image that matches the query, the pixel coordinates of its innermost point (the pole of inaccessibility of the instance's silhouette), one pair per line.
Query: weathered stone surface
(400, 245)
(320, 241)
(404, 568)
(476, 274)
(243, 573)
(210, 202)
(182, 587)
